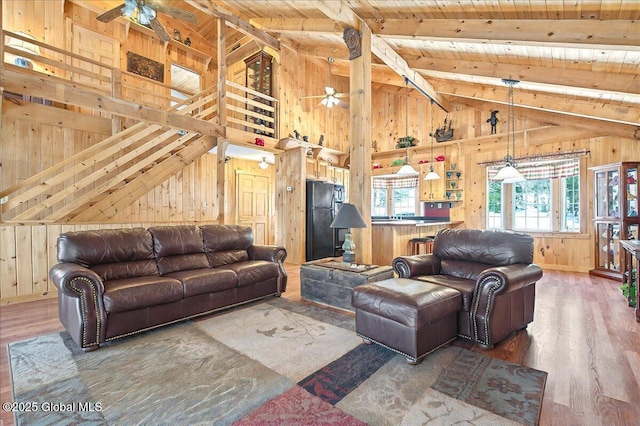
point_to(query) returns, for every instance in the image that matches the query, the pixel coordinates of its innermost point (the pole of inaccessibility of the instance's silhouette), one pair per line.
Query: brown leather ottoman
(407, 316)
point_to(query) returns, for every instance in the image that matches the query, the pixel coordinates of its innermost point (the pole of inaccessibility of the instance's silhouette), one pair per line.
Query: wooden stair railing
(111, 167)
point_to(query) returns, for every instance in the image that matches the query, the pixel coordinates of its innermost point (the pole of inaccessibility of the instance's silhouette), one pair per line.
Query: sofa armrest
(491, 283)
(276, 254)
(81, 307)
(419, 264)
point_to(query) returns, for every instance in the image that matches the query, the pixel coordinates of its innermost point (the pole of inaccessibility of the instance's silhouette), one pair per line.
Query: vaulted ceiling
(578, 61)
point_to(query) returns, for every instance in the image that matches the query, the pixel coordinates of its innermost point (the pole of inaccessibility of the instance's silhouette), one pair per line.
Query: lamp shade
(263, 164)
(348, 217)
(431, 175)
(407, 169)
(509, 172)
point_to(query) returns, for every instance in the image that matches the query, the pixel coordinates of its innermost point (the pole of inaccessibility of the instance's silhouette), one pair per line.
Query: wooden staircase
(94, 184)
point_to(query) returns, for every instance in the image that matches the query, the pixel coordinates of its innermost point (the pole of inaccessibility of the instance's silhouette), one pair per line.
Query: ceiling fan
(145, 12)
(330, 98)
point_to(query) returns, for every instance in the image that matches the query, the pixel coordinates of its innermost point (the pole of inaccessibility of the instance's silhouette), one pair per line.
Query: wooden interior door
(252, 201)
(97, 47)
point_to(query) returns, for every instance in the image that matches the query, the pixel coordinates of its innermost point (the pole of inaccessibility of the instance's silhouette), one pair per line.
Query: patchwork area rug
(277, 362)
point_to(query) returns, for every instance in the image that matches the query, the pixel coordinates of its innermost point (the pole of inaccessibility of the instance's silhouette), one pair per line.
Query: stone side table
(329, 281)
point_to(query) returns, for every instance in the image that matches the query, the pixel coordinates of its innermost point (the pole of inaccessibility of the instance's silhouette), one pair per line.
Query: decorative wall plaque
(145, 67)
(351, 37)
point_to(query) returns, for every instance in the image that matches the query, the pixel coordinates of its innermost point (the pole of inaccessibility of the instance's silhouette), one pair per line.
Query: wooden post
(116, 92)
(221, 170)
(360, 144)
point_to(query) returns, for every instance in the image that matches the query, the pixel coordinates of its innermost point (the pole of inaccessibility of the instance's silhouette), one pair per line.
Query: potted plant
(629, 291)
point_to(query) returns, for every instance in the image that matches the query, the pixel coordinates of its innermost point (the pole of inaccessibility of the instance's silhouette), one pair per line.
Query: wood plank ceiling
(578, 61)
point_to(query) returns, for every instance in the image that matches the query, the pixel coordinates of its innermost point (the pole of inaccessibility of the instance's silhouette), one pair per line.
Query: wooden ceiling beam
(211, 8)
(567, 105)
(604, 81)
(342, 13)
(610, 129)
(578, 33)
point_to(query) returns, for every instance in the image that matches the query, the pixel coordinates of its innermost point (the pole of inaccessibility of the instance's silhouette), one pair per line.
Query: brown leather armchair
(494, 272)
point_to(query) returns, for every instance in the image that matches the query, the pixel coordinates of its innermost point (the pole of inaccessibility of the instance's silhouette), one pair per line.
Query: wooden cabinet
(615, 216)
(432, 190)
(317, 169)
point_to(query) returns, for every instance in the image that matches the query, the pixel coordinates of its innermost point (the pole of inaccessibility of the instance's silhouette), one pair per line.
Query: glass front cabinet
(615, 215)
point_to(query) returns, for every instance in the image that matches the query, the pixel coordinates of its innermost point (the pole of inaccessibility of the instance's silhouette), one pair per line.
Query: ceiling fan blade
(344, 105)
(176, 13)
(112, 14)
(156, 26)
(313, 97)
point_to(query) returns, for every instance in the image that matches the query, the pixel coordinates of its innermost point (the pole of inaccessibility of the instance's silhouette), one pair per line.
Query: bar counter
(390, 238)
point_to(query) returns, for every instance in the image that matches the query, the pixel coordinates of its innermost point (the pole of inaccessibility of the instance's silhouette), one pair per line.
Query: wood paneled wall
(28, 252)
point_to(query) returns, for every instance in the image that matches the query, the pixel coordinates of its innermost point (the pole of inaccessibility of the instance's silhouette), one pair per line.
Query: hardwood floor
(583, 335)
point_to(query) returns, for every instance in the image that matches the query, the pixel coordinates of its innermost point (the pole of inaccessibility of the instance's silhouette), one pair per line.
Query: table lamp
(348, 217)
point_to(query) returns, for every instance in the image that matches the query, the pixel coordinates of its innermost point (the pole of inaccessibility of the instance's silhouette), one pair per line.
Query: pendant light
(432, 175)
(509, 173)
(407, 169)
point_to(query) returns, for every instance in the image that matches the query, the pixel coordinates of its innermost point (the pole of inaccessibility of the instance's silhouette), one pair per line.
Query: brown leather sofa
(493, 271)
(114, 283)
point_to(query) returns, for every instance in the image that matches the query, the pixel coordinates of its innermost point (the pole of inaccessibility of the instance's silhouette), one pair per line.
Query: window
(395, 196)
(548, 201)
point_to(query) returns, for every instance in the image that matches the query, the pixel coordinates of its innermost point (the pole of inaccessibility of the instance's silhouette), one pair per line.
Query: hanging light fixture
(509, 173)
(406, 168)
(432, 175)
(263, 164)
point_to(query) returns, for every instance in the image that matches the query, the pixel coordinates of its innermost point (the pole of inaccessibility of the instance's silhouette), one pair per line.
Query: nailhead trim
(83, 307)
(488, 308)
(409, 357)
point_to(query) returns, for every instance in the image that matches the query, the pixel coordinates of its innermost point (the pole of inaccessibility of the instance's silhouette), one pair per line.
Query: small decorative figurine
(296, 134)
(176, 35)
(259, 141)
(305, 138)
(493, 120)
(187, 41)
(321, 141)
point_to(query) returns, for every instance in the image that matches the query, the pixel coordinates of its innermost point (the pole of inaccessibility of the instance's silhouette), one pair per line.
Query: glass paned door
(607, 242)
(632, 192)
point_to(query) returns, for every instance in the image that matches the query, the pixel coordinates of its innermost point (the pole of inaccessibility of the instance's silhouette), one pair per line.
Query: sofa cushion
(208, 280)
(140, 292)
(253, 271)
(496, 248)
(112, 253)
(466, 269)
(225, 244)
(464, 286)
(178, 248)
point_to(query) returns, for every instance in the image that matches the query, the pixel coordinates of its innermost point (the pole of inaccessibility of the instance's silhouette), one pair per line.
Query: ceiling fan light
(128, 8)
(326, 102)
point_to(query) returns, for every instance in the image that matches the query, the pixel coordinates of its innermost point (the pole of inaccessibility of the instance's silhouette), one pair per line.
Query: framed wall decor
(145, 67)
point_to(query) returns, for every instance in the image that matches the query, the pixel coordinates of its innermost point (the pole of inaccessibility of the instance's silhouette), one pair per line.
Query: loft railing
(247, 110)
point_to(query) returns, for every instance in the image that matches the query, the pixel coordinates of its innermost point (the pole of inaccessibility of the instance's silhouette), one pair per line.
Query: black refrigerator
(323, 201)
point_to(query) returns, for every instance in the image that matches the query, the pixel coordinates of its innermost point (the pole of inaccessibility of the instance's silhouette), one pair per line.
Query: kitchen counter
(391, 237)
(411, 222)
